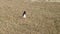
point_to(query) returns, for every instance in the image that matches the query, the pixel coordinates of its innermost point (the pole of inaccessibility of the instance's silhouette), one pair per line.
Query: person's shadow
(22, 15)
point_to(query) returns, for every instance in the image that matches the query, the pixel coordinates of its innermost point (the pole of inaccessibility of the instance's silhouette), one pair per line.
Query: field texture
(42, 17)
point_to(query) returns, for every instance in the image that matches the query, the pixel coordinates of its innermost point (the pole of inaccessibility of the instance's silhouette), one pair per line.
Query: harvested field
(42, 17)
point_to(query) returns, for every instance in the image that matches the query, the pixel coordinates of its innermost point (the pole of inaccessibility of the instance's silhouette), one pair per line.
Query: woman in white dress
(24, 14)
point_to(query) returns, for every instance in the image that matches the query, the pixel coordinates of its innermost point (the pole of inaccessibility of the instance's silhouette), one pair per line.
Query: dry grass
(42, 18)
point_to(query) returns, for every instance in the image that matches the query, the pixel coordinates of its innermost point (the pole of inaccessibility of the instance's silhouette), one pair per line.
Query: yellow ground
(42, 17)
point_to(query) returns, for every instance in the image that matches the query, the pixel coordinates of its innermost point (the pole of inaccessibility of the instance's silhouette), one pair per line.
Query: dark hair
(24, 13)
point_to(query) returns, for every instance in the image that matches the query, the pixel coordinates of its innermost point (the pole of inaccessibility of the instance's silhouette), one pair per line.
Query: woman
(24, 14)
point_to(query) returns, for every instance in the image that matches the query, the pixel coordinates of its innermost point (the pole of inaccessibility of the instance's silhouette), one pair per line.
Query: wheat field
(42, 17)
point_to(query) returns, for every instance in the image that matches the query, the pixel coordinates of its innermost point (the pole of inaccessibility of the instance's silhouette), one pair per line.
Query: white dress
(24, 16)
